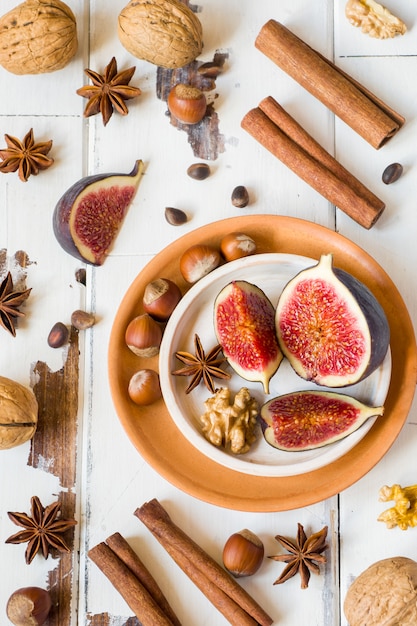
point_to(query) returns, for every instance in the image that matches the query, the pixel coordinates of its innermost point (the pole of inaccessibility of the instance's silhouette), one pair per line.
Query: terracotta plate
(162, 444)
(194, 315)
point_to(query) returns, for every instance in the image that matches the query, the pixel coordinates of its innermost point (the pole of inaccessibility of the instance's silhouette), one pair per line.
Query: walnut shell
(18, 413)
(385, 593)
(37, 36)
(163, 32)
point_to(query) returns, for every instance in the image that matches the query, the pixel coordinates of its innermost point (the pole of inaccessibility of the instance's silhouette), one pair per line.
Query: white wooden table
(111, 478)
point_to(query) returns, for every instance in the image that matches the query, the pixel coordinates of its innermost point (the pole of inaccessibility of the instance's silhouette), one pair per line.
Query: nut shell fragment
(18, 413)
(37, 36)
(163, 32)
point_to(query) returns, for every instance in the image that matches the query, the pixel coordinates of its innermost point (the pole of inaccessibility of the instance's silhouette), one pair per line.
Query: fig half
(244, 323)
(304, 420)
(330, 326)
(89, 215)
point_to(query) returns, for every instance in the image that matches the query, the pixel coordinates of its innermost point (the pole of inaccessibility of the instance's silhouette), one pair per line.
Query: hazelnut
(144, 387)
(198, 261)
(237, 245)
(160, 298)
(243, 553)
(187, 103)
(29, 606)
(143, 336)
(82, 320)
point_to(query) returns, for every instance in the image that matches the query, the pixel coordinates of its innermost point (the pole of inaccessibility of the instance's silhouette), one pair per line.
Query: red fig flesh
(330, 326)
(304, 420)
(89, 215)
(245, 328)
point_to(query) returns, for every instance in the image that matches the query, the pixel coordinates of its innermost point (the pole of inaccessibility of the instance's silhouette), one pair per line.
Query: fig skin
(306, 420)
(67, 204)
(375, 317)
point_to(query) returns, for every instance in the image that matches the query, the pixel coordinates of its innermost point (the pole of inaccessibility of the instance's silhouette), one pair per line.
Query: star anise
(43, 529)
(26, 156)
(305, 554)
(10, 300)
(108, 91)
(201, 366)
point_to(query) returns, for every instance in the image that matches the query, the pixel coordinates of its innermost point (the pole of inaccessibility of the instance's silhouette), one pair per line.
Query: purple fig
(245, 329)
(89, 215)
(330, 326)
(305, 420)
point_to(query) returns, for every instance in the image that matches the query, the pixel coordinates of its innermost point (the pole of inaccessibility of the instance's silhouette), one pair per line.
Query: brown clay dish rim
(160, 442)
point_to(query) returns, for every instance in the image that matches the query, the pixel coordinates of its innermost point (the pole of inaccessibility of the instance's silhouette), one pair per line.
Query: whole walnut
(385, 593)
(37, 36)
(163, 32)
(18, 413)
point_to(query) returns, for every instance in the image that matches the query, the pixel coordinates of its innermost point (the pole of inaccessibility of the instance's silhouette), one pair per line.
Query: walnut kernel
(374, 19)
(230, 424)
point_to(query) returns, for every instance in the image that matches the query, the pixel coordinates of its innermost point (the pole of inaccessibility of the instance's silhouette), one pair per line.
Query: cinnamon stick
(230, 609)
(130, 588)
(281, 134)
(206, 573)
(125, 552)
(358, 107)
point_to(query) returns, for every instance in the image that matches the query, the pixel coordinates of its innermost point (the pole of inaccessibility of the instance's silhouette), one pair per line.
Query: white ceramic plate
(194, 314)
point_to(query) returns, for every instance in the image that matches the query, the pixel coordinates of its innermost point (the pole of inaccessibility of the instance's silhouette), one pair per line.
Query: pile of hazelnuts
(144, 332)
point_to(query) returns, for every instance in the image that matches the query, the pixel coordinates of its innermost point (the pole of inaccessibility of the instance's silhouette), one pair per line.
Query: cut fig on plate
(89, 215)
(330, 326)
(244, 323)
(304, 420)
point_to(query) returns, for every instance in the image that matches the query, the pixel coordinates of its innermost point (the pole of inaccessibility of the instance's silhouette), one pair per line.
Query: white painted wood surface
(112, 477)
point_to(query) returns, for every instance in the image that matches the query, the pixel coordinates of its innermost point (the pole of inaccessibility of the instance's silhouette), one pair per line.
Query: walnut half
(374, 19)
(230, 424)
